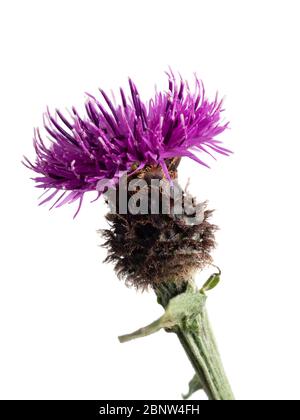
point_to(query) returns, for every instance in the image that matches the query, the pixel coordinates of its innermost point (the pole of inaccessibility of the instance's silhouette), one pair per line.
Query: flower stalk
(186, 316)
(200, 347)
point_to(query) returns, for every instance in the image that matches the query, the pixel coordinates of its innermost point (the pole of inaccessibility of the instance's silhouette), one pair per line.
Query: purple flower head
(115, 138)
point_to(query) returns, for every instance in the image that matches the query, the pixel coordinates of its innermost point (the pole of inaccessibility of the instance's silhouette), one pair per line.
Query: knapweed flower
(159, 246)
(115, 138)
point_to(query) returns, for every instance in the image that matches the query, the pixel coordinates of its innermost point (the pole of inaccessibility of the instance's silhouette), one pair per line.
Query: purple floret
(112, 139)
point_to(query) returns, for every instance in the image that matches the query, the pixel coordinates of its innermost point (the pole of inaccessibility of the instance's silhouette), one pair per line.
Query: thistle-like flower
(151, 247)
(112, 139)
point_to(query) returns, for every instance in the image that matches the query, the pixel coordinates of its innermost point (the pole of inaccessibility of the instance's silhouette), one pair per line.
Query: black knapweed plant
(158, 235)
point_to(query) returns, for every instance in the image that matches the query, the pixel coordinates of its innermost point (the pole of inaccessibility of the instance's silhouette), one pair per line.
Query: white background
(61, 309)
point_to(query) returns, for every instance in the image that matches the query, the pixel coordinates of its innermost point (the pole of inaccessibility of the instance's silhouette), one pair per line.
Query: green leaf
(211, 283)
(187, 305)
(195, 384)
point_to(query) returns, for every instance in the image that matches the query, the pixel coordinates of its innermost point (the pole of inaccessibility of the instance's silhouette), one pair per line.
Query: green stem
(197, 339)
(200, 348)
(185, 315)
